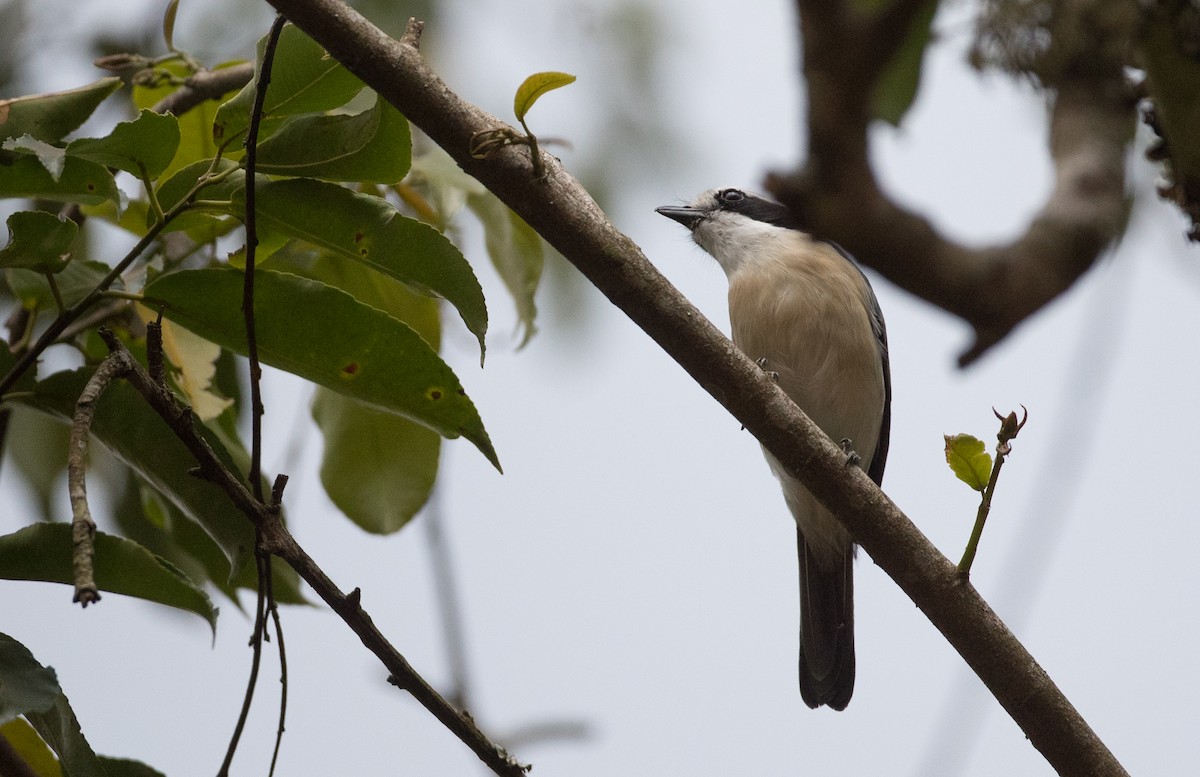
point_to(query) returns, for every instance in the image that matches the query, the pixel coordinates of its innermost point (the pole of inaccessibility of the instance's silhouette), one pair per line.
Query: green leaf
(516, 252)
(30, 689)
(325, 335)
(201, 224)
(37, 446)
(148, 143)
(51, 156)
(304, 79)
(43, 552)
(75, 282)
(36, 754)
(378, 468)
(52, 115)
(534, 87)
(371, 231)
(136, 435)
(39, 241)
(968, 460)
(146, 518)
(86, 183)
(897, 86)
(373, 146)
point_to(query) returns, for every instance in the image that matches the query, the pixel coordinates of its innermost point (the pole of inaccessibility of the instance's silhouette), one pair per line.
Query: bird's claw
(762, 364)
(852, 457)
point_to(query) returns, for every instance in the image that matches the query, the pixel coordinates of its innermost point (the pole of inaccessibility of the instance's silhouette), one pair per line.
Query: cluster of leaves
(347, 296)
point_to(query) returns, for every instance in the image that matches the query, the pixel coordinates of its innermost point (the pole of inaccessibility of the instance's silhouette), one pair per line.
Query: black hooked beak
(684, 214)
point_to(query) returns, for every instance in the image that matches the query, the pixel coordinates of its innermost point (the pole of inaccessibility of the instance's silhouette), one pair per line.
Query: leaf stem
(1009, 427)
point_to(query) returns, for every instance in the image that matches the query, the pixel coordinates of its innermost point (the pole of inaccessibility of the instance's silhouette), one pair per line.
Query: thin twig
(1009, 428)
(256, 403)
(262, 558)
(273, 609)
(278, 541)
(83, 528)
(255, 663)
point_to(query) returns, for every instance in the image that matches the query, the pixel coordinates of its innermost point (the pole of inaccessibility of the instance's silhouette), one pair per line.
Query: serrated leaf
(39, 241)
(534, 87)
(30, 689)
(148, 142)
(42, 552)
(968, 460)
(897, 86)
(137, 436)
(517, 254)
(369, 147)
(369, 230)
(80, 181)
(325, 335)
(52, 115)
(304, 79)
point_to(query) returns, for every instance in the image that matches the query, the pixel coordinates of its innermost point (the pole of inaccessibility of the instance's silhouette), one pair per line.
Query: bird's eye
(731, 195)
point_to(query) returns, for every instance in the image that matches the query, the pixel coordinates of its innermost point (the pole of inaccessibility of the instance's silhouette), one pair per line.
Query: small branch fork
(278, 541)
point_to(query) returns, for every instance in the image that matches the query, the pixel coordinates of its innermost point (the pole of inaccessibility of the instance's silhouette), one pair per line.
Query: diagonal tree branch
(567, 217)
(278, 541)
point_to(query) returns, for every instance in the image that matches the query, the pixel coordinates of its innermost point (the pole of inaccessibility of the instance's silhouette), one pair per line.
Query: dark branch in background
(837, 196)
(278, 541)
(567, 217)
(203, 86)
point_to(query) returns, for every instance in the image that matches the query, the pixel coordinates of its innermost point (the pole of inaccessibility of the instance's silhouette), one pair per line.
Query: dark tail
(826, 630)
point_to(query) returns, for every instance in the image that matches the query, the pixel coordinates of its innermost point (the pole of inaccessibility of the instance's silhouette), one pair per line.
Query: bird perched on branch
(804, 311)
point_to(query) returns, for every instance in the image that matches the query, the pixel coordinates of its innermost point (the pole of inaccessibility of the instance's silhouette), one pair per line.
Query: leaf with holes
(369, 230)
(327, 336)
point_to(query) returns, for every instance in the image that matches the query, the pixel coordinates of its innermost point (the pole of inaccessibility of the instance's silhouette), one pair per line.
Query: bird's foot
(852, 457)
(762, 363)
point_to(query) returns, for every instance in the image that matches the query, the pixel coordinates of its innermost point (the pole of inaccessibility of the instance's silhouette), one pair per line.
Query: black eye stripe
(731, 195)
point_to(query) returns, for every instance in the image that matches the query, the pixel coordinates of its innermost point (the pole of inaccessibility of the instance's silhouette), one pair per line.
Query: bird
(806, 313)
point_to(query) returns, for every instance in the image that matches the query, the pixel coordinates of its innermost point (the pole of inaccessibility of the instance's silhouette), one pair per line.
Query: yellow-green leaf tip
(968, 460)
(534, 87)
